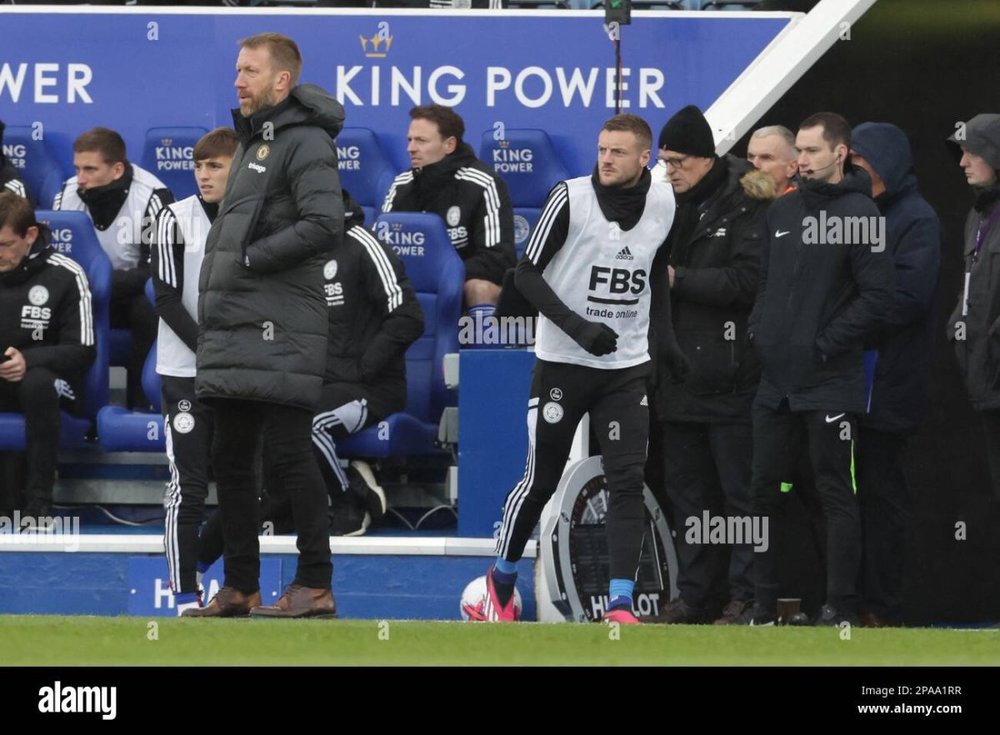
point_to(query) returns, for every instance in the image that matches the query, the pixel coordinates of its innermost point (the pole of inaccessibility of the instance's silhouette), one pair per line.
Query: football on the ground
(473, 604)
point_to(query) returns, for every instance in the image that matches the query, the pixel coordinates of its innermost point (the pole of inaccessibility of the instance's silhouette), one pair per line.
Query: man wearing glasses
(704, 421)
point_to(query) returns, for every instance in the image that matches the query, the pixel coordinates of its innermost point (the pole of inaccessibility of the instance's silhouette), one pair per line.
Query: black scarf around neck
(619, 204)
(104, 202)
(705, 189)
(429, 180)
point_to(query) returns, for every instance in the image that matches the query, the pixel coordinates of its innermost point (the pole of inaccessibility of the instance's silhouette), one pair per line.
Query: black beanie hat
(688, 132)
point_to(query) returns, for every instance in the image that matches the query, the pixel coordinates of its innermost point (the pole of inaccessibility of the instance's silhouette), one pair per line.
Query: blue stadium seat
(73, 235)
(168, 154)
(437, 274)
(530, 165)
(365, 170)
(122, 430)
(39, 168)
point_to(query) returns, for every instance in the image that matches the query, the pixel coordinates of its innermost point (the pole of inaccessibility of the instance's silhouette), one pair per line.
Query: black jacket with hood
(913, 233)
(473, 202)
(819, 298)
(262, 312)
(976, 334)
(716, 264)
(374, 316)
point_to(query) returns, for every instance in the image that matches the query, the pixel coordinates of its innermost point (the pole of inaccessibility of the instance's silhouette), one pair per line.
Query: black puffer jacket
(261, 311)
(820, 298)
(717, 264)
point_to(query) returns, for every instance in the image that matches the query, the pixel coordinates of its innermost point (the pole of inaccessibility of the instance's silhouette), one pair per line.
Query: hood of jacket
(306, 105)
(887, 149)
(981, 136)
(759, 185)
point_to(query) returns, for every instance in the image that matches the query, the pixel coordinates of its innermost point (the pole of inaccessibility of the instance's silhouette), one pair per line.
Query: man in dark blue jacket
(826, 284)
(898, 397)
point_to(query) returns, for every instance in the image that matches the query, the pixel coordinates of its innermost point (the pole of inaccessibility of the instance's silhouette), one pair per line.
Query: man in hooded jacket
(898, 398)
(974, 325)
(263, 320)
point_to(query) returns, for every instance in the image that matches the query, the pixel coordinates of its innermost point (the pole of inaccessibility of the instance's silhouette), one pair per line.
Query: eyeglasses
(674, 162)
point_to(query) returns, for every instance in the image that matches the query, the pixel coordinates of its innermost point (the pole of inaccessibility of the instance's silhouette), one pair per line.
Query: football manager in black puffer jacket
(263, 321)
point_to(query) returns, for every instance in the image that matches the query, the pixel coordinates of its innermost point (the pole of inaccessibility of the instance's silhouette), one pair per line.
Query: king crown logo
(166, 141)
(377, 42)
(503, 143)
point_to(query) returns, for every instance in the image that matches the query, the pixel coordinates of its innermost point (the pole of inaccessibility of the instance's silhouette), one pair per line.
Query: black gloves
(597, 339)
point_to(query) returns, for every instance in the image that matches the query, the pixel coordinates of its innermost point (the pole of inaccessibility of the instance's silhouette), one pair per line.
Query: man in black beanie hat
(705, 423)
(974, 326)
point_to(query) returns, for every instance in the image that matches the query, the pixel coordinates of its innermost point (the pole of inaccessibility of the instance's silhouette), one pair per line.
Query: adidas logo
(624, 254)
(644, 402)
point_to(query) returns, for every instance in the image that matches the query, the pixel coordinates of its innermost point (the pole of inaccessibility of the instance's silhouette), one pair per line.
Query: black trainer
(36, 516)
(756, 616)
(366, 490)
(830, 615)
(348, 518)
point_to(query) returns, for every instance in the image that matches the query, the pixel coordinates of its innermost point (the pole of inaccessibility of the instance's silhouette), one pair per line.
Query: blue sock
(183, 598)
(505, 571)
(620, 593)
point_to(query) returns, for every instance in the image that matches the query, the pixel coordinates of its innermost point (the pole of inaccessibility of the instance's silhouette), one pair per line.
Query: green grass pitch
(67, 641)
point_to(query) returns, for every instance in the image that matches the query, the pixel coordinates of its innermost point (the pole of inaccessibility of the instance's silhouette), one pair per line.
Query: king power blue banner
(64, 72)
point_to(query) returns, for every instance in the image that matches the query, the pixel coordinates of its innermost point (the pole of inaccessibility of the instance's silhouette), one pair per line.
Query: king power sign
(550, 70)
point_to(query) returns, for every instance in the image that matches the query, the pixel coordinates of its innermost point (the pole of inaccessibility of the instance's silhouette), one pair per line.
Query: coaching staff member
(263, 320)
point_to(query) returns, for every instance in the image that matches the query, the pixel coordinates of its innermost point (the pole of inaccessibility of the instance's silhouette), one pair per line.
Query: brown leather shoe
(873, 620)
(300, 602)
(228, 602)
